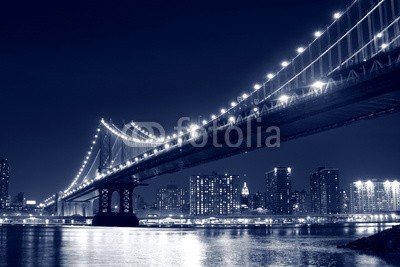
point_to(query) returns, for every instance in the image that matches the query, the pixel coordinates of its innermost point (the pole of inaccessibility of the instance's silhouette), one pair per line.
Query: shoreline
(231, 226)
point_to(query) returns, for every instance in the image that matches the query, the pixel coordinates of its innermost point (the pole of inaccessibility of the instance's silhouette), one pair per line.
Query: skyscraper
(324, 191)
(214, 194)
(172, 198)
(4, 180)
(279, 190)
(257, 201)
(344, 201)
(244, 200)
(300, 202)
(374, 196)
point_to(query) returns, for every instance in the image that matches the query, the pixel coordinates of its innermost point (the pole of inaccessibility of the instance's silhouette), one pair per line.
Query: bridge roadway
(364, 91)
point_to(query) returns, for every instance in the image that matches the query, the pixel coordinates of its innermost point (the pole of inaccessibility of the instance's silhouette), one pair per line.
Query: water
(97, 246)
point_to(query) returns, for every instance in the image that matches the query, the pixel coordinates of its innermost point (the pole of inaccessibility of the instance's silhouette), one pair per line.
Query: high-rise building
(244, 200)
(214, 194)
(279, 190)
(257, 201)
(4, 180)
(344, 201)
(373, 196)
(172, 198)
(300, 202)
(324, 191)
(19, 200)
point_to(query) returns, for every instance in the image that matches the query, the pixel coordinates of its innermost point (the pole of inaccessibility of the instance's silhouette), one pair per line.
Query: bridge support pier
(125, 215)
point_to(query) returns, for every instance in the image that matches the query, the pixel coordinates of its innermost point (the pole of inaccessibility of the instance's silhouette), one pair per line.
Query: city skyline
(210, 133)
(40, 166)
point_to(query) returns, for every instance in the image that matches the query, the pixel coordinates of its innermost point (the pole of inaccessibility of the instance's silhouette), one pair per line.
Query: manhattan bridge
(349, 71)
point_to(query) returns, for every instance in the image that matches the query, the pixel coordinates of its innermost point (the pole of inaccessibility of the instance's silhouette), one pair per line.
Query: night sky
(64, 66)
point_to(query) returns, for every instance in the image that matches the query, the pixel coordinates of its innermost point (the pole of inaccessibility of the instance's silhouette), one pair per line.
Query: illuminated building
(4, 180)
(172, 198)
(373, 196)
(324, 191)
(344, 202)
(244, 201)
(257, 201)
(279, 190)
(214, 194)
(300, 202)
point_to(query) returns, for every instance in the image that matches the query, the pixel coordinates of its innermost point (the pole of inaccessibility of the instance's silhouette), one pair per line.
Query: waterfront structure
(300, 202)
(257, 201)
(216, 194)
(4, 181)
(172, 199)
(244, 200)
(279, 190)
(324, 191)
(374, 196)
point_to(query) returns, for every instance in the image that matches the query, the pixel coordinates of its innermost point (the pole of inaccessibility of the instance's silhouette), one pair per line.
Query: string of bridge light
(269, 76)
(79, 174)
(285, 64)
(116, 131)
(193, 127)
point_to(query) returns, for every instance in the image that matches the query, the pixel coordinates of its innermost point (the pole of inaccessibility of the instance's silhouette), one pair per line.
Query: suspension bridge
(349, 71)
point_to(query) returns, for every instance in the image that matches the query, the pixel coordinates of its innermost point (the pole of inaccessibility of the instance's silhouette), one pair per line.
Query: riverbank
(387, 241)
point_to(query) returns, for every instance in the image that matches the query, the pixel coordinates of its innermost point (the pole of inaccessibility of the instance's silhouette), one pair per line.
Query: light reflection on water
(82, 246)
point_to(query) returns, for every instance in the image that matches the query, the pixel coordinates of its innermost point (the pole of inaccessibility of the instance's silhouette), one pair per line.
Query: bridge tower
(125, 215)
(105, 150)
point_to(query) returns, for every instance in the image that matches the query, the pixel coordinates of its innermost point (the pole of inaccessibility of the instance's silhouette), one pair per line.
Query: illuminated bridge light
(213, 117)
(257, 86)
(245, 96)
(284, 63)
(193, 127)
(379, 35)
(270, 76)
(231, 119)
(222, 110)
(283, 98)
(204, 122)
(233, 104)
(300, 50)
(337, 15)
(383, 46)
(317, 34)
(318, 85)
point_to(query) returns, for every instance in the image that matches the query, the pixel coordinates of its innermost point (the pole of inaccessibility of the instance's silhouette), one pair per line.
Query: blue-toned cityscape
(200, 134)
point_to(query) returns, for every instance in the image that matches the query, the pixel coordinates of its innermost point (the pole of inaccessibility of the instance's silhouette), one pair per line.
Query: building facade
(216, 194)
(244, 198)
(374, 196)
(279, 190)
(172, 199)
(4, 181)
(344, 202)
(300, 202)
(324, 191)
(257, 201)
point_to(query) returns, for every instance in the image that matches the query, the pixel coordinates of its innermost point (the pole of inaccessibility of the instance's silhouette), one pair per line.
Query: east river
(98, 246)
